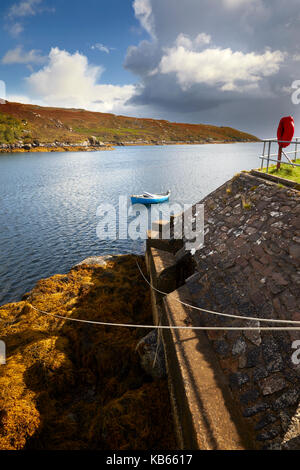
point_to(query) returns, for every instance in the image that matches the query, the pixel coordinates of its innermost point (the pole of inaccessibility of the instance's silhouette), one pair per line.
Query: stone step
(155, 240)
(161, 226)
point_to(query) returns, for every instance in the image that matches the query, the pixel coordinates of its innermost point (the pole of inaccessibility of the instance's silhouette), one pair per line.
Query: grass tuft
(286, 171)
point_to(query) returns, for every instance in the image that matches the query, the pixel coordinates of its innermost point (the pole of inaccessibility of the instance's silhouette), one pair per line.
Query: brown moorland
(32, 124)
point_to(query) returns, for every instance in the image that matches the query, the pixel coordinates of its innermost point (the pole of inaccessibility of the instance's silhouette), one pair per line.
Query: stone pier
(234, 389)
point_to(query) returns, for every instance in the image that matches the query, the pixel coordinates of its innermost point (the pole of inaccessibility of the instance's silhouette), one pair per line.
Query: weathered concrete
(162, 265)
(200, 397)
(205, 407)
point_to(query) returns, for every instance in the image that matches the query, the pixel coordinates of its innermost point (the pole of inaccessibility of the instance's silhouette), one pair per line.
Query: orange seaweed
(68, 385)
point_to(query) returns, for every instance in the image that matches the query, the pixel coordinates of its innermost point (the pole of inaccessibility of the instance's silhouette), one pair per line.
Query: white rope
(213, 312)
(173, 327)
(166, 327)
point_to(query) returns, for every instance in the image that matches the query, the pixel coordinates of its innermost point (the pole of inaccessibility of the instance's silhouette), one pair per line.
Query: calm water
(48, 200)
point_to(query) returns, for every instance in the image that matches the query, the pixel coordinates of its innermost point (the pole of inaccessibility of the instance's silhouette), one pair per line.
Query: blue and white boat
(149, 198)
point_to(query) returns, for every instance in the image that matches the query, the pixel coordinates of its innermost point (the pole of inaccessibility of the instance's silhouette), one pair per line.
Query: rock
(268, 435)
(279, 279)
(285, 419)
(95, 260)
(239, 347)
(27, 147)
(272, 384)
(253, 357)
(253, 335)
(292, 444)
(152, 356)
(288, 398)
(93, 140)
(242, 361)
(265, 421)
(294, 251)
(272, 357)
(221, 348)
(253, 410)
(249, 396)
(238, 379)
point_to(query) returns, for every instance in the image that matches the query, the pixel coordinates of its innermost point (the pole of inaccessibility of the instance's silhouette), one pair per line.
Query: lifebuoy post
(285, 133)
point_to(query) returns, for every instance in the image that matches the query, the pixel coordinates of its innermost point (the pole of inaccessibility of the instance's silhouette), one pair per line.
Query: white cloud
(23, 8)
(143, 12)
(68, 80)
(223, 68)
(296, 57)
(102, 48)
(15, 29)
(185, 41)
(239, 3)
(19, 56)
(2, 92)
(202, 38)
(12, 98)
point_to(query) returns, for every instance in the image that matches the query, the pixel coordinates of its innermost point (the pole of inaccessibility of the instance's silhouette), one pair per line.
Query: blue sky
(224, 62)
(73, 26)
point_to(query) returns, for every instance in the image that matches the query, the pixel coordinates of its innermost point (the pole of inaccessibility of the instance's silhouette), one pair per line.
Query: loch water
(49, 201)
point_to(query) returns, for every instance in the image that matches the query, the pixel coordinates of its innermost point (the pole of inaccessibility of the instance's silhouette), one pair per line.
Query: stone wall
(249, 266)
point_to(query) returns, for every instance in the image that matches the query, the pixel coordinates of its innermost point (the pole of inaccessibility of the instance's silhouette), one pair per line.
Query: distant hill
(31, 125)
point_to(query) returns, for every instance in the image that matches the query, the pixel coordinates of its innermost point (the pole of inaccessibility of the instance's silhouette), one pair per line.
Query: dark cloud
(247, 88)
(143, 58)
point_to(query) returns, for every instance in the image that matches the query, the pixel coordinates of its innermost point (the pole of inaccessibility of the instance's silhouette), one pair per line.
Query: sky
(224, 62)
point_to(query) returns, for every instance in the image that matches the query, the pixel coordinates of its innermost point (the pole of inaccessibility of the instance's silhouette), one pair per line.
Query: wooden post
(279, 157)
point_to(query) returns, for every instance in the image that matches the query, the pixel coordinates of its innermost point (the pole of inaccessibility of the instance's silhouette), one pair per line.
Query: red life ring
(285, 131)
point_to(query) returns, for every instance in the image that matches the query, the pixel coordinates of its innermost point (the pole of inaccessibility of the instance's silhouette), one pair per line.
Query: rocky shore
(91, 144)
(69, 385)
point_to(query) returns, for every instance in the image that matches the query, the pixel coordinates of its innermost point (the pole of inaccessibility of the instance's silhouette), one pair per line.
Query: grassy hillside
(29, 123)
(10, 129)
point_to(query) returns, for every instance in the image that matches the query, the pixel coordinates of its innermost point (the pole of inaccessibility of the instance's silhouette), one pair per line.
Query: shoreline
(79, 148)
(55, 149)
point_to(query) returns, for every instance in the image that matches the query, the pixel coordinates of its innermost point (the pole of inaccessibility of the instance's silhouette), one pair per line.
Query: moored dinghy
(149, 198)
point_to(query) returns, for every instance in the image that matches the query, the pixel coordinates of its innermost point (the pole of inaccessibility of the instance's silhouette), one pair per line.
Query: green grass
(98, 131)
(286, 171)
(10, 129)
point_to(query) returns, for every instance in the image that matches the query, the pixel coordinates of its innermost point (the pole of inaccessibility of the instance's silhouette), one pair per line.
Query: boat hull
(143, 200)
